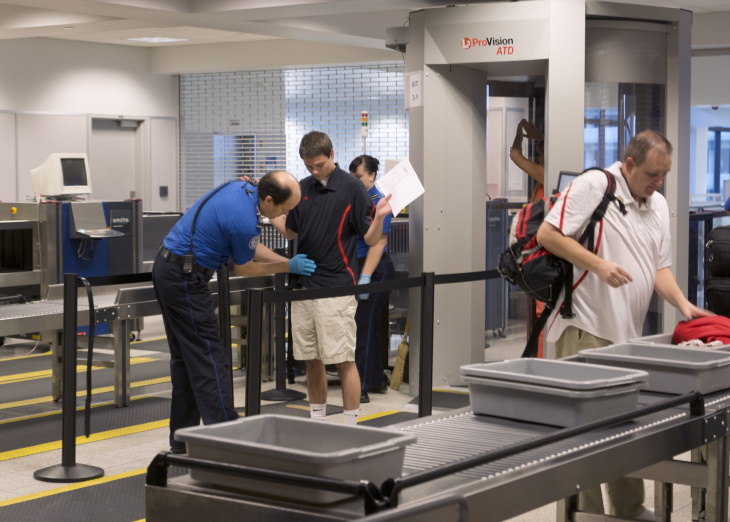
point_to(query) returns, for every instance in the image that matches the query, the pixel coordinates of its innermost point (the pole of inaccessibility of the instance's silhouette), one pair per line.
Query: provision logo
(503, 45)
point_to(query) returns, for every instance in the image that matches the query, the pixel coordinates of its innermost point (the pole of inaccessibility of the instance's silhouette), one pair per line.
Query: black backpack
(535, 270)
(717, 254)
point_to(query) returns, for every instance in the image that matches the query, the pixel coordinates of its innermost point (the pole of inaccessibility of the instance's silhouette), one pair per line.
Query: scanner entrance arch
(551, 72)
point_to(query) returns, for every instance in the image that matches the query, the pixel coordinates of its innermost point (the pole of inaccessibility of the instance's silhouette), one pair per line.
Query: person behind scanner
(534, 169)
(372, 309)
(224, 224)
(615, 283)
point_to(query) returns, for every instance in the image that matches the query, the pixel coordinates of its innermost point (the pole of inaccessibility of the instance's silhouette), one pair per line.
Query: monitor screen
(62, 176)
(74, 172)
(564, 179)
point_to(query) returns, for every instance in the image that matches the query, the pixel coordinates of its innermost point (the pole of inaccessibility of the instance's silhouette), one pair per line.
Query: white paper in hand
(402, 183)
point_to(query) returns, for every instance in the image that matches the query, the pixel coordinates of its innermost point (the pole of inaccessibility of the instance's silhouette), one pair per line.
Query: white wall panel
(41, 134)
(7, 156)
(163, 166)
(75, 77)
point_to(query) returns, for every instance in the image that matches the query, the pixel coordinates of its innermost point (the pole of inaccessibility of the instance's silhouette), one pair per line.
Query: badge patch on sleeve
(254, 241)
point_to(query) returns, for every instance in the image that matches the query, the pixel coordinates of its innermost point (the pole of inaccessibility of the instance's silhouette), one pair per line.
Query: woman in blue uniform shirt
(372, 310)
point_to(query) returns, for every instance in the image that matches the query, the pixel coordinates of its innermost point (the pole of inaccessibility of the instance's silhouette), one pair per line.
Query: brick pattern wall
(250, 122)
(331, 100)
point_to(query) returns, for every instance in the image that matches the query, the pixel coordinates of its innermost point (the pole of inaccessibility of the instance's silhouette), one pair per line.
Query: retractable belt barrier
(70, 471)
(257, 298)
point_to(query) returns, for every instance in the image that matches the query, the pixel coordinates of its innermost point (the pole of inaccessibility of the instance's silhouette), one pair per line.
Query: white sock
(351, 416)
(317, 410)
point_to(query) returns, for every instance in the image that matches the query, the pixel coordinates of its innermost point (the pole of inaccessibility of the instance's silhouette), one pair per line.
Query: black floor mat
(29, 389)
(31, 432)
(295, 408)
(120, 500)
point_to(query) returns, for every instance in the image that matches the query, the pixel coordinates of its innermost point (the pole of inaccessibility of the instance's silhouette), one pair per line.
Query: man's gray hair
(645, 141)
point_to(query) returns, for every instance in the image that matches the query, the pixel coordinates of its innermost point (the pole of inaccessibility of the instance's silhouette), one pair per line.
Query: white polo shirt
(640, 242)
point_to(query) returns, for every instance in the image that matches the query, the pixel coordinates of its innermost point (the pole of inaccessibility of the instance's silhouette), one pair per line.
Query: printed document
(402, 182)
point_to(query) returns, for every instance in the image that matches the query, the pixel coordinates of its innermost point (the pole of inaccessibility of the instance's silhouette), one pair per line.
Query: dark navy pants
(372, 345)
(199, 363)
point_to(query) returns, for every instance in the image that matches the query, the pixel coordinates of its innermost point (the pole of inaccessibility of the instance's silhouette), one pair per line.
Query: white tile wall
(279, 106)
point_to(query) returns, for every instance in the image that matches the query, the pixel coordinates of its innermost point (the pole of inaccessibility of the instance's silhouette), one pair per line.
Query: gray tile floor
(132, 453)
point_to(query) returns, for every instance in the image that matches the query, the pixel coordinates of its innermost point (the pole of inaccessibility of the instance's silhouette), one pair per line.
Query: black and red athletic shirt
(328, 221)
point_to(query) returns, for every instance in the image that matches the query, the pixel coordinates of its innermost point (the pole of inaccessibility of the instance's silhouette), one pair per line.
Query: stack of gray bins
(555, 392)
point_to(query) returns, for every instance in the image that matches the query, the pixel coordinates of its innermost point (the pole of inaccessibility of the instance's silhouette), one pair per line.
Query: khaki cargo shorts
(324, 329)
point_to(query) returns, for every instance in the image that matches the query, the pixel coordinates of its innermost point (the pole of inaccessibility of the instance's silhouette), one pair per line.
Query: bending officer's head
(279, 193)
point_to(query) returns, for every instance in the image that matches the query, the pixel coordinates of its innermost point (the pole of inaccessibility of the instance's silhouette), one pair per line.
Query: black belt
(179, 260)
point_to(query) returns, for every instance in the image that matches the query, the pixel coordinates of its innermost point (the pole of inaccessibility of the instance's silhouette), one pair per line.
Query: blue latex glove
(302, 265)
(364, 279)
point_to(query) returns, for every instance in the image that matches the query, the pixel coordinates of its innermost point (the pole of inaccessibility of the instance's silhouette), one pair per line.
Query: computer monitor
(62, 176)
(564, 179)
(725, 190)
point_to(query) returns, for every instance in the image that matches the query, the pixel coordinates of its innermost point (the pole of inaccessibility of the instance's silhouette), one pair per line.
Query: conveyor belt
(469, 435)
(495, 491)
(46, 315)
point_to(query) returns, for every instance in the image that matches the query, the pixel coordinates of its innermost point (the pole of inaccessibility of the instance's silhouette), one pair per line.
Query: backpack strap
(531, 346)
(587, 238)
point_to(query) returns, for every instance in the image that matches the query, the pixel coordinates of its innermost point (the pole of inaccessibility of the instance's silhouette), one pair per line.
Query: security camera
(715, 107)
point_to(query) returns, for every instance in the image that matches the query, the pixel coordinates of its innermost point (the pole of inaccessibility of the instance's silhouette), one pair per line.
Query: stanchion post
(253, 352)
(69, 470)
(224, 318)
(425, 358)
(279, 353)
(281, 393)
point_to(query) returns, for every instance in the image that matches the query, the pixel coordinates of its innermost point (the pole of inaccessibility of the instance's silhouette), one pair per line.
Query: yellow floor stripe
(298, 406)
(458, 392)
(72, 487)
(95, 437)
(80, 393)
(377, 415)
(43, 374)
(29, 356)
(151, 339)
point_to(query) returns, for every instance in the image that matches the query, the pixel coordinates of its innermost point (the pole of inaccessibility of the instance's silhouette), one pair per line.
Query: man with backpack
(614, 283)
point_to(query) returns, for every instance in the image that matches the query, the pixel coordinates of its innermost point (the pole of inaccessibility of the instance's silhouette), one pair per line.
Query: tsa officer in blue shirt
(224, 224)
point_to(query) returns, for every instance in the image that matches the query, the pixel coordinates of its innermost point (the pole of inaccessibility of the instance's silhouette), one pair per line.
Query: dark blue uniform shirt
(227, 227)
(375, 196)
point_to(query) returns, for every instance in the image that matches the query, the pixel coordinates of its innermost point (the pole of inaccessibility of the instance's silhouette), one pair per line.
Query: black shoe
(364, 398)
(178, 448)
(383, 388)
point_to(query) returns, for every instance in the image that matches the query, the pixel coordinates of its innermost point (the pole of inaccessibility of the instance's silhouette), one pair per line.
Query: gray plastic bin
(665, 339)
(671, 369)
(297, 445)
(555, 392)
(557, 373)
